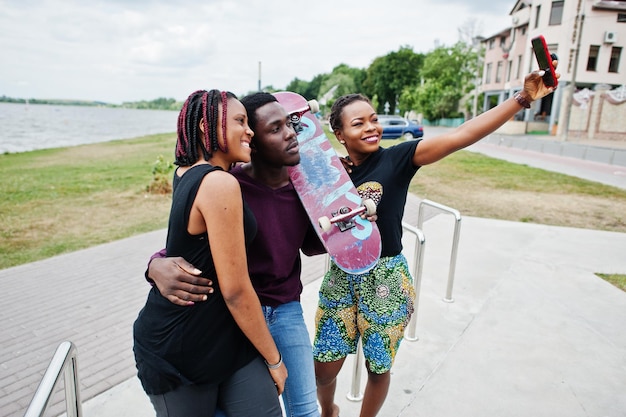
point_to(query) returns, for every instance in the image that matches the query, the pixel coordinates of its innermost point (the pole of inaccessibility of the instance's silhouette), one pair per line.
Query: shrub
(160, 177)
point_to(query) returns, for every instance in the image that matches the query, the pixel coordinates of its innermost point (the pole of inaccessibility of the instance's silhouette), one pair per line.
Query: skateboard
(328, 195)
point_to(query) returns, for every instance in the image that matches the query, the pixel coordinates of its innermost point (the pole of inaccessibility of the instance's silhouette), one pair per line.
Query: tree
(388, 75)
(298, 86)
(470, 31)
(307, 89)
(445, 75)
(355, 75)
(334, 86)
(342, 80)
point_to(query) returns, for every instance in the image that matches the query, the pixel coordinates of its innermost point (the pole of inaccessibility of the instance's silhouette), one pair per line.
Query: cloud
(117, 50)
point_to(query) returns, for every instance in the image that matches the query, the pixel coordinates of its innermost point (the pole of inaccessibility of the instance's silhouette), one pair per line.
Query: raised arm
(220, 205)
(433, 149)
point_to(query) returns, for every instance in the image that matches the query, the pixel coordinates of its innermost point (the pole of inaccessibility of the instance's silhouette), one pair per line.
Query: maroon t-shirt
(283, 229)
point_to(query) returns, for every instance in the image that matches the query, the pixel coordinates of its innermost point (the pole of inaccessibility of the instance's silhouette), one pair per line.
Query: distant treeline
(160, 103)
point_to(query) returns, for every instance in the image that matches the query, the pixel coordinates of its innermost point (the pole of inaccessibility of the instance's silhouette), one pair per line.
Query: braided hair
(201, 107)
(338, 106)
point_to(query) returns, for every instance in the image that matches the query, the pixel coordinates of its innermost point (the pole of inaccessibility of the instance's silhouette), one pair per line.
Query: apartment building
(589, 37)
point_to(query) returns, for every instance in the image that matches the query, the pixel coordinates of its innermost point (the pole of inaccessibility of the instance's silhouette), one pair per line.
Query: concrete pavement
(532, 330)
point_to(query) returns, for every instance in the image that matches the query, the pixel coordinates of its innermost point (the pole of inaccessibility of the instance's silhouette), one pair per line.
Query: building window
(488, 73)
(502, 42)
(518, 74)
(499, 72)
(492, 43)
(556, 14)
(621, 18)
(616, 53)
(523, 30)
(592, 61)
(537, 13)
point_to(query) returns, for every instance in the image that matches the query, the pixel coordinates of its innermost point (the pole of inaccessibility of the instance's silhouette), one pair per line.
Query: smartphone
(544, 59)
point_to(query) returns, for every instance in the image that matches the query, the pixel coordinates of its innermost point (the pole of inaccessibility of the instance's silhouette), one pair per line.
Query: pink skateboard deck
(328, 195)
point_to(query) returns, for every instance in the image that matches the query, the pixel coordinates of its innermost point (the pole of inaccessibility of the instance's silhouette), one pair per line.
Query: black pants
(248, 392)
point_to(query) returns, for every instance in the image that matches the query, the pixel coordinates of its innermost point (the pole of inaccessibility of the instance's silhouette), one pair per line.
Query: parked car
(396, 126)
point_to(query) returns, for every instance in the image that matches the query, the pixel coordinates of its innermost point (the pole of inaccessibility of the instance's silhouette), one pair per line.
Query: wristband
(277, 364)
(521, 100)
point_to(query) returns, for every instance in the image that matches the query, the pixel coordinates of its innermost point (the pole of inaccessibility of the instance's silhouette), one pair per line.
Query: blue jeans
(286, 323)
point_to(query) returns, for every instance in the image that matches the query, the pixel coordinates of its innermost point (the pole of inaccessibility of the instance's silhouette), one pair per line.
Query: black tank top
(200, 344)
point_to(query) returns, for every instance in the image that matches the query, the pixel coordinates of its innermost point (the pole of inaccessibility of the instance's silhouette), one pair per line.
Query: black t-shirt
(197, 344)
(385, 177)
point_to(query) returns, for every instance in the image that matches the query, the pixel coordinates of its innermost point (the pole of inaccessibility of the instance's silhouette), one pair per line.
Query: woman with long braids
(377, 306)
(218, 353)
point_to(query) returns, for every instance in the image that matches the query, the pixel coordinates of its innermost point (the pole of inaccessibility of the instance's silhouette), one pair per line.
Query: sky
(131, 50)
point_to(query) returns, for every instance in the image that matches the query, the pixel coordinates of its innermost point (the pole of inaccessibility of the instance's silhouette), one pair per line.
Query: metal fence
(355, 393)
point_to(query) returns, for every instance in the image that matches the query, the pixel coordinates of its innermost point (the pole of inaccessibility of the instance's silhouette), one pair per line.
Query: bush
(160, 177)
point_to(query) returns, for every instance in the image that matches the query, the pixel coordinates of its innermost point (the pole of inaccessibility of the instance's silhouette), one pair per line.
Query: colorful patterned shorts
(376, 306)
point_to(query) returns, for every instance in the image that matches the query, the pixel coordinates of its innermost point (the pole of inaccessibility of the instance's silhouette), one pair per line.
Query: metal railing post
(455, 240)
(64, 361)
(355, 388)
(418, 258)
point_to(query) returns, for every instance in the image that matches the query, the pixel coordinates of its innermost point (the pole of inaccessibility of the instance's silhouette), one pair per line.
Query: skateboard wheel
(314, 106)
(324, 223)
(370, 206)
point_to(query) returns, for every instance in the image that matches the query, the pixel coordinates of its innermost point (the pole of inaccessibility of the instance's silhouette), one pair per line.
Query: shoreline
(28, 128)
(6, 152)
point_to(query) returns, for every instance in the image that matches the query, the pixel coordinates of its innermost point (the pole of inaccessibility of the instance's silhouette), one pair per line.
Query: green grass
(61, 200)
(618, 280)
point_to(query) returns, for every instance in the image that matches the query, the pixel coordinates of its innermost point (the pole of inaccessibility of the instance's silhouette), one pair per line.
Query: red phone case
(544, 59)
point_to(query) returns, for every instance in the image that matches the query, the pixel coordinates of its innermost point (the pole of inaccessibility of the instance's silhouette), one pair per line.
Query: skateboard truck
(294, 118)
(343, 217)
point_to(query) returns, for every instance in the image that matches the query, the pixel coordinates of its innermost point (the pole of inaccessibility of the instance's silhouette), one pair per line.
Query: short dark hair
(338, 106)
(252, 102)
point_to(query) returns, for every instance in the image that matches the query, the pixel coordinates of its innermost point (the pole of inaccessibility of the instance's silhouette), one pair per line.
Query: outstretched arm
(436, 148)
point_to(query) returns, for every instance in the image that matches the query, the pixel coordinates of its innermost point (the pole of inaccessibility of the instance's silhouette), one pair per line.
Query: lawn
(65, 199)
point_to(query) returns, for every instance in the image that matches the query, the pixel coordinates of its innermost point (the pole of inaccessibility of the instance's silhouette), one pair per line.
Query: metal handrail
(418, 262)
(64, 361)
(355, 389)
(455, 240)
(355, 393)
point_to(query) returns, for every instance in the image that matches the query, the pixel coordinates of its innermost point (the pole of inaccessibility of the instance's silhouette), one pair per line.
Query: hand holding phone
(544, 59)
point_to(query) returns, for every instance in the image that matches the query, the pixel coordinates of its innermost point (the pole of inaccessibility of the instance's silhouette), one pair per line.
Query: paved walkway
(531, 331)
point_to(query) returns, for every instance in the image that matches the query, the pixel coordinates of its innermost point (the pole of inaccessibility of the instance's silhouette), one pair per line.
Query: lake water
(29, 127)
